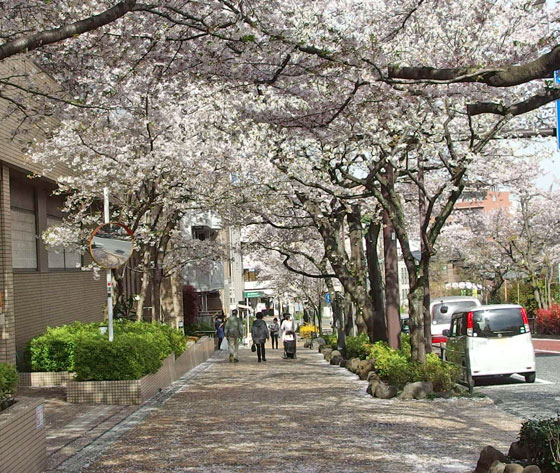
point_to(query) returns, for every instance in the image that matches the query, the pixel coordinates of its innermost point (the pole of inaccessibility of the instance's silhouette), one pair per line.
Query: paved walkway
(291, 415)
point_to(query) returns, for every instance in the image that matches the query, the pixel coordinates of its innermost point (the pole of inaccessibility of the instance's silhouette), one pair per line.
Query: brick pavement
(546, 345)
(292, 415)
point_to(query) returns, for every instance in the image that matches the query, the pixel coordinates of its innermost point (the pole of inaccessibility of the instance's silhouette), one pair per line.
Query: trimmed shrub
(56, 349)
(8, 383)
(547, 321)
(392, 366)
(358, 347)
(176, 339)
(128, 356)
(396, 367)
(443, 375)
(542, 440)
(154, 333)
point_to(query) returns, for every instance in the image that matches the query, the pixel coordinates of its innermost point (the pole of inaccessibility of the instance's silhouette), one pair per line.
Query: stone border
(137, 391)
(23, 445)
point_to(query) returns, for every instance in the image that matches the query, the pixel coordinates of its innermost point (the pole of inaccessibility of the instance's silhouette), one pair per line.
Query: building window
(24, 239)
(59, 257)
(249, 275)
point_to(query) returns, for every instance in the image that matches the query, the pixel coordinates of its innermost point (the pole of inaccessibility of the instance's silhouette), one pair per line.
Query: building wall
(51, 299)
(7, 314)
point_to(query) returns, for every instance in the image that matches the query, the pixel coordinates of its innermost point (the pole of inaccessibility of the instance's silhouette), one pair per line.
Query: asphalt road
(517, 397)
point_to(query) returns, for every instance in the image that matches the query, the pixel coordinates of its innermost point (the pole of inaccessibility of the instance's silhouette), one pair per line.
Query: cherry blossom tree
(145, 154)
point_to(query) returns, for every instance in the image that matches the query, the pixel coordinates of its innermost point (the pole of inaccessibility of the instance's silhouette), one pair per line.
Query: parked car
(491, 340)
(441, 310)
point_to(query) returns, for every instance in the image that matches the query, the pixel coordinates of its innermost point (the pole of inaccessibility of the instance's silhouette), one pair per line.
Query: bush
(548, 320)
(192, 329)
(307, 330)
(331, 341)
(392, 366)
(542, 439)
(443, 375)
(358, 347)
(154, 333)
(128, 356)
(396, 367)
(176, 339)
(8, 383)
(56, 349)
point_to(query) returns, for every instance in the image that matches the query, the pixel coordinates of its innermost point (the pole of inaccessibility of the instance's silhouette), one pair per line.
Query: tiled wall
(22, 437)
(44, 379)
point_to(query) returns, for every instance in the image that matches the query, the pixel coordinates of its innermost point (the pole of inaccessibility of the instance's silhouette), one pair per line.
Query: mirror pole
(109, 277)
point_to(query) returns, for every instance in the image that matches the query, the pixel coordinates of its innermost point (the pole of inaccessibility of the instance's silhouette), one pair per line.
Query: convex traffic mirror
(111, 245)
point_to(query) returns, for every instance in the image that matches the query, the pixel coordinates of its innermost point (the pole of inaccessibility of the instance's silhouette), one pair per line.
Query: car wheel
(530, 377)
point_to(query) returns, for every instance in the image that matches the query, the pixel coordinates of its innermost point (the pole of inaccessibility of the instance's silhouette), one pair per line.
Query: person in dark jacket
(260, 335)
(219, 326)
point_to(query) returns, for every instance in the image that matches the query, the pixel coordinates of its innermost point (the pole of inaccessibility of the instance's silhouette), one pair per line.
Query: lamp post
(106, 218)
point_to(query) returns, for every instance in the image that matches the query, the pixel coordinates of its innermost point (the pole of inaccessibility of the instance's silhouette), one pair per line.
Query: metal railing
(466, 379)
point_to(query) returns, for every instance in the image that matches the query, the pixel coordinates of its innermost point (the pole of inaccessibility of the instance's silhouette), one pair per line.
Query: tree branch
(507, 76)
(519, 108)
(34, 41)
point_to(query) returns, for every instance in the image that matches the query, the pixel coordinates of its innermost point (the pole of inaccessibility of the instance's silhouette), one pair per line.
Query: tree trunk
(416, 322)
(357, 285)
(380, 328)
(338, 317)
(145, 285)
(426, 305)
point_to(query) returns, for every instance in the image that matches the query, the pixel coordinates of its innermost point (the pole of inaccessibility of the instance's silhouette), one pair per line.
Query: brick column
(7, 331)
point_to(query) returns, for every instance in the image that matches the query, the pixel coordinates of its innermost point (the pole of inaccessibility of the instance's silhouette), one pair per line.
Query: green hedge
(541, 436)
(358, 347)
(8, 383)
(192, 329)
(128, 356)
(396, 367)
(57, 349)
(331, 340)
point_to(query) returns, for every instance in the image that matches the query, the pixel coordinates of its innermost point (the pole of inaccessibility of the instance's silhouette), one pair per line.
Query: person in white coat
(287, 326)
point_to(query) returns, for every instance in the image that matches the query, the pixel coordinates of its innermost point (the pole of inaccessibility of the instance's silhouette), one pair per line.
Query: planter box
(137, 391)
(194, 355)
(23, 447)
(45, 379)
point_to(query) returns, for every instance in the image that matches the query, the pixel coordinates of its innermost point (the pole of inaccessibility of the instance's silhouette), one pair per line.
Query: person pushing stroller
(288, 337)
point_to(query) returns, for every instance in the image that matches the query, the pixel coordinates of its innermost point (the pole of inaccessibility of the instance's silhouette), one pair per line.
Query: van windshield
(498, 323)
(445, 318)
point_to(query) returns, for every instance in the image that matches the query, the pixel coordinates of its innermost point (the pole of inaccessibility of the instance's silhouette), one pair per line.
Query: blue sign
(328, 297)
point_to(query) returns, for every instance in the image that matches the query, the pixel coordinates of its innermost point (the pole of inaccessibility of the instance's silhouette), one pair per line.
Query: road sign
(328, 297)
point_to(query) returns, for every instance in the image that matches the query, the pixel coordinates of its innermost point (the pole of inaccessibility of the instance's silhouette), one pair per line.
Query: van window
(452, 307)
(498, 323)
(458, 325)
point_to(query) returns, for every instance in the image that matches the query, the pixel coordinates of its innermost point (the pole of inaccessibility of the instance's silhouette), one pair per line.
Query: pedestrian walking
(219, 326)
(287, 326)
(288, 336)
(259, 332)
(274, 332)
(233, 330)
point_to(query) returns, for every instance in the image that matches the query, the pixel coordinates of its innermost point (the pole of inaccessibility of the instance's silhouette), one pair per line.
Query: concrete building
(219, 284)
(38, 288)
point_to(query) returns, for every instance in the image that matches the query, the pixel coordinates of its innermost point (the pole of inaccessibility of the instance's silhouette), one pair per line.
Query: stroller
(290, 344)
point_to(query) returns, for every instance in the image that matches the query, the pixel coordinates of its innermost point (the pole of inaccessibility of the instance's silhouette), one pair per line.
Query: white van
(491, 340)
(441, 310)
